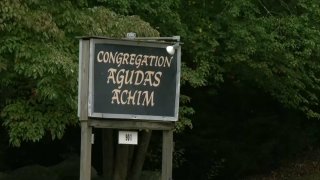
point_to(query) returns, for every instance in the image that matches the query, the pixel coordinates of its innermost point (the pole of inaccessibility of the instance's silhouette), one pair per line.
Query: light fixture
(172, 49)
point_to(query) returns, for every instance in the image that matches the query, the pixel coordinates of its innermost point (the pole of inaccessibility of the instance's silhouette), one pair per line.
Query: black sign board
(133, 80)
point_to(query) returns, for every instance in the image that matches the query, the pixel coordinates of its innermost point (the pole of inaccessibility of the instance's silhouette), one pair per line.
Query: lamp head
(170, 50)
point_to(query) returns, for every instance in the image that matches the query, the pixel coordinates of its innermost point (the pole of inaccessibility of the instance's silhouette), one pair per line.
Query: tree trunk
(126, 161)
(140, 155)
(107, 153)
(121, 163)
(131, 157)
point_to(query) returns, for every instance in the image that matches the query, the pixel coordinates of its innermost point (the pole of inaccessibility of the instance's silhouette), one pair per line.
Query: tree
(38, 62)
(273, 45)
(270, 44)
(256, 52)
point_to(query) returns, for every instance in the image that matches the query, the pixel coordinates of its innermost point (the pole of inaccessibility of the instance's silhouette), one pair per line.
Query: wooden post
(86, 129)
(167, 150)
(85, 156)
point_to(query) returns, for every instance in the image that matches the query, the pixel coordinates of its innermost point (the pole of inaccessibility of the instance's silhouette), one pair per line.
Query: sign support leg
(167, 150)
(85, 156)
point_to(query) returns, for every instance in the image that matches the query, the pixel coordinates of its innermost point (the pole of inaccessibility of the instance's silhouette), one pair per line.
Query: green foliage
(184, 112)
(275, 46)
(162, 15)
(271, 45)
(38, 62)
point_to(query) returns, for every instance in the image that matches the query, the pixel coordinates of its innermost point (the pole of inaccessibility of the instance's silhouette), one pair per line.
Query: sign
(133, 80)
(128, 137)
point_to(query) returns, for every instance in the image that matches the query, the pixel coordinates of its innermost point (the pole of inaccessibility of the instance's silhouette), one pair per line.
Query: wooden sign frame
(87, 122)
(166, 94)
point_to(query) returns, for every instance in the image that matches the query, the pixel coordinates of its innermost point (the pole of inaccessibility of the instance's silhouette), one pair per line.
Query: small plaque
(128, 137)
(131, 35)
